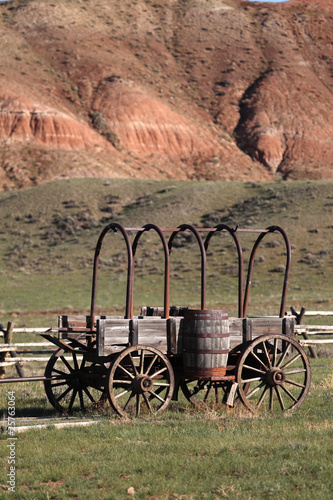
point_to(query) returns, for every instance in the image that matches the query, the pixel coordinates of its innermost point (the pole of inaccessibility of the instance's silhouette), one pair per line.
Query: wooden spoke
(60, 372)
(147, 402)
(129, 399)
(293, 382)
(158, 390)
(140, 380)
(262, 397)
(259, 360)
(70, 368)
(274, 353)
(126, 371)
(155, 395)
(282, 358)
(277, 390)
(135, 371)
(254, 379)
(151, 365)
(296, 358)
(255, 369)
(76, 366)
(300, 370)
(266, 357)
(271, 399)
(81, 399)
(87, 392)
(137, 405)
(120, 394)
(62, 395)
(59, 384)
(70, 406)
(255, 390)
(289, 393)
(142, 359)
(156, 374)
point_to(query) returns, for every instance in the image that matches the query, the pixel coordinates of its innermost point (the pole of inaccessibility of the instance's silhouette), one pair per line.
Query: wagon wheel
(276, 372)
(77, 383)
(141, 380)
(204, 392)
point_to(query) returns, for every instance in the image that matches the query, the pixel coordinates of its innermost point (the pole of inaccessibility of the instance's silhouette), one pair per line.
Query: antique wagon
(139, 363)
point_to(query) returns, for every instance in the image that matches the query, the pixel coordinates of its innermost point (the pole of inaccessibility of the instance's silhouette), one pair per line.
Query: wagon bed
(113, 332)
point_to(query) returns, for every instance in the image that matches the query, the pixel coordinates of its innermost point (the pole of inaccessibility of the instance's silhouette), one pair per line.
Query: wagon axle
(275, 377)
(142, 383)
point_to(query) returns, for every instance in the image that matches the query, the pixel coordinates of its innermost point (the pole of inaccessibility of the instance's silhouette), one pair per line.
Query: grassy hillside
(48, 235)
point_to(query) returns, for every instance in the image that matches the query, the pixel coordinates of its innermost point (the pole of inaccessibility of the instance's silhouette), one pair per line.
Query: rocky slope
(198, 89)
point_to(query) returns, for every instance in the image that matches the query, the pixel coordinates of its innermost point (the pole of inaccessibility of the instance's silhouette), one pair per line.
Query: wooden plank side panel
(254, 327)
(111, 333)
(149, 332)
(245, 329)
(114, 333)
(270, 324)
(154, 332)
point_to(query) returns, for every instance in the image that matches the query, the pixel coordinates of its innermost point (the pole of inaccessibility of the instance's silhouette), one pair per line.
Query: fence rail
(16, 354)
(309, 330)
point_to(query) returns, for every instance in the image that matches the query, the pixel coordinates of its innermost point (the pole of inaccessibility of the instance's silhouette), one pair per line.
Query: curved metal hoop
(149, 227)
(232, 232)
(130, 271)
(184, 227)
(270, 229)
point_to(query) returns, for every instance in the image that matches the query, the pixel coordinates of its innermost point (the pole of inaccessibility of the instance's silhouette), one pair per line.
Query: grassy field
(48, 235)
(47, 240)
(184, 453)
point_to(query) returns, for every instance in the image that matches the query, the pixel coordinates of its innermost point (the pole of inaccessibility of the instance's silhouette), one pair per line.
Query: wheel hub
(274, 377)
(142, 383)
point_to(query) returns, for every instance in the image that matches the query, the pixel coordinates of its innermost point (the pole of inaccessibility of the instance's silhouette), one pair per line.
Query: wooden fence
(20, 353)
(307, 331)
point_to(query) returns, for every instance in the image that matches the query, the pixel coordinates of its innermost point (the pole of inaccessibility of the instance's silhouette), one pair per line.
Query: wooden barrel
(206, 342)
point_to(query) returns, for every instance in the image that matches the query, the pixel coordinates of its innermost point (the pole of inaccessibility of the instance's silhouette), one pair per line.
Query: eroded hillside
(217, 90)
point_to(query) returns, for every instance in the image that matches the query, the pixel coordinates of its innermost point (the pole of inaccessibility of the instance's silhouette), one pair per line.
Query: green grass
(183, 453)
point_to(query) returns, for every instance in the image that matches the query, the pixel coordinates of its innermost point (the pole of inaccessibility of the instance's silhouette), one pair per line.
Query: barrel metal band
(205, 351)
(206, 335)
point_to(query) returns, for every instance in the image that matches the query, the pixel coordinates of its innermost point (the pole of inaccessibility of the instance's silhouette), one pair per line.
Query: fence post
(299, 317)
(7, 337)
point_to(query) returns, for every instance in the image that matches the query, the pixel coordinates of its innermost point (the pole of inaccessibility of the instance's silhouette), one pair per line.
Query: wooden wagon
(139, 363)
